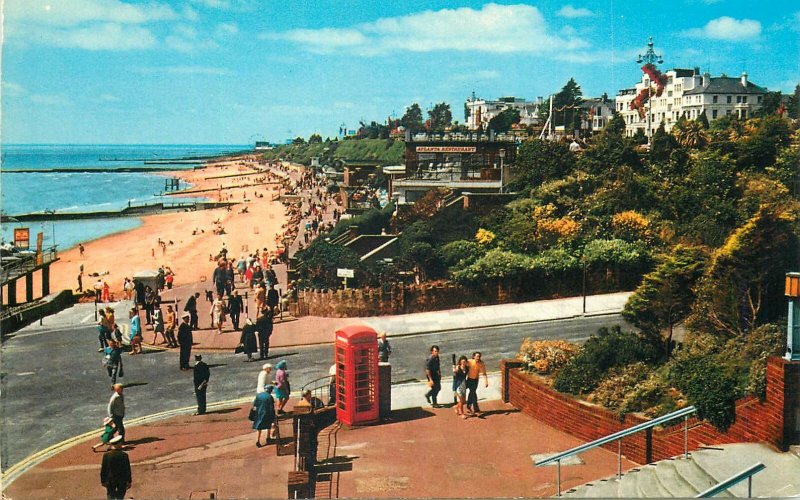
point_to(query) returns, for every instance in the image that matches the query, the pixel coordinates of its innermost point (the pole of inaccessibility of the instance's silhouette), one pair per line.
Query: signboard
(446, 149)
(345, 273)
(22, 237)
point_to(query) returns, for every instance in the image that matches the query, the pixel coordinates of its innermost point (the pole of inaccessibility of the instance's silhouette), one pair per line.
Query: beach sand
(124, 254)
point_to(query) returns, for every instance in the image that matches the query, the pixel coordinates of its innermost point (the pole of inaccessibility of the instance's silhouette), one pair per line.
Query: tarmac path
(53, 386)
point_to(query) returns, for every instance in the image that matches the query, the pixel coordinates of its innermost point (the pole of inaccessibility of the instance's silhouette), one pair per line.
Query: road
(53, 387)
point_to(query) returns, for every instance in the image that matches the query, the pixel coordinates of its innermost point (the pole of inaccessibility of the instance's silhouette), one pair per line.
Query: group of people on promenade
(466, 376)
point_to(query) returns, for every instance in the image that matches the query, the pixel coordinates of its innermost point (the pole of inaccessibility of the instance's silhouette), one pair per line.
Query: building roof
(727, 85)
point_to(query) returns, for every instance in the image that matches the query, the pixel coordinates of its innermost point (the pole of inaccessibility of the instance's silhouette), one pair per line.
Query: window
(759, 99)
(730, 100)
(714, 114)
(744, 99)
(669, 93)
(714, 99)
(744, 114)
(738, 99)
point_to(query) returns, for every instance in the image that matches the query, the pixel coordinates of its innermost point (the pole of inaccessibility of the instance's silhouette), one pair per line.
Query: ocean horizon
(65, 191)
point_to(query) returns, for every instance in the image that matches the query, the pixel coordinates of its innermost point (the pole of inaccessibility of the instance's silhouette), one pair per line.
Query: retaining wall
(773, 421)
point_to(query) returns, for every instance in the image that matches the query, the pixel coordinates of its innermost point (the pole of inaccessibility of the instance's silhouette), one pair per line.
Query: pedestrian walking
(476, 369)
(108, 434)
(191, 308)
(460, 371)
(218, 313)
(116, 409)
(282, 387)
(103, 330)
(201, 376)
(248, 341)
(273, 298)
(136, 331)
(264, 327)
(185, 339)
(169, 327)
(384, 349)
(263, 378)
(433, 372)
(235, 307)
(113, 360)
(264, 408)
(115, 471)
(158, 324)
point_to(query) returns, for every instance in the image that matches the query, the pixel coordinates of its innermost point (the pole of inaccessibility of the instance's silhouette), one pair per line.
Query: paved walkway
(417, 452)
(312, 330)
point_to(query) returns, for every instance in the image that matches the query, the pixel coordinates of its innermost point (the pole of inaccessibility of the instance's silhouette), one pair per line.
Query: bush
(650, 396)
(610, 348)
(612, 390)
(546, 356)
(703, 380)
(461, 253)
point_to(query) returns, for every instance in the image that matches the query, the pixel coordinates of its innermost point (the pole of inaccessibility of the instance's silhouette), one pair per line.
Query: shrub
(703, 380)
(612, 390)
(484, 237)
(608, 349)
(630, 226)
(546, 356)
(650, 396)
(461, 253)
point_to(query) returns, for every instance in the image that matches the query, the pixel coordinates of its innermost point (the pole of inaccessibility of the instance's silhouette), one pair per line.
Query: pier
(132, 210)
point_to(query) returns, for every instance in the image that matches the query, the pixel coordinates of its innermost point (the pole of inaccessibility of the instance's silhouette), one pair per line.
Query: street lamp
(793, 322)
(502, 156)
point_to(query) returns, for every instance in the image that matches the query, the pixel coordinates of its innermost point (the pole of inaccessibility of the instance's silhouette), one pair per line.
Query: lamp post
(793, 322)
(502, 177)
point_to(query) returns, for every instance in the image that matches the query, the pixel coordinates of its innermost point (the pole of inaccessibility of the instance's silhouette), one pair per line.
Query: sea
(50, 184)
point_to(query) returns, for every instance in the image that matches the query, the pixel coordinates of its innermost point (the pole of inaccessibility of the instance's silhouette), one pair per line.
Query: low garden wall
(774, 421)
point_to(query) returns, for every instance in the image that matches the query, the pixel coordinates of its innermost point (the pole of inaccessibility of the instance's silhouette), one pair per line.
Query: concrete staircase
(681, 477)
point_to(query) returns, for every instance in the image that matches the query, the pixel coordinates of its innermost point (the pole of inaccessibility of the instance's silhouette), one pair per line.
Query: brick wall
(773, 421)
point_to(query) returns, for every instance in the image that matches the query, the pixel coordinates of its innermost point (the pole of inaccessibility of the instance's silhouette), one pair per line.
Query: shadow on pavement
(144, 440)
(222, 412)
(133, 384)
(498, 412)
(217, 365)
(406, 415)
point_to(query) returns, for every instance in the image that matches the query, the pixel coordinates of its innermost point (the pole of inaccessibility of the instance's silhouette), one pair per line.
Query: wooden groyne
(129, 211)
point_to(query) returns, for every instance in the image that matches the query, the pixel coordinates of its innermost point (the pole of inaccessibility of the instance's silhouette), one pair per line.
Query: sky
(237, 71)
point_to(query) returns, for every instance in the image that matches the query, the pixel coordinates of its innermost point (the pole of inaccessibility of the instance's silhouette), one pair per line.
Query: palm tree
(691, 134)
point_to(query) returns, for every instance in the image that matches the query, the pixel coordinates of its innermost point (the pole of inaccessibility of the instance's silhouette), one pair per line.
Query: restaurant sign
(22, 237)
(446, 149)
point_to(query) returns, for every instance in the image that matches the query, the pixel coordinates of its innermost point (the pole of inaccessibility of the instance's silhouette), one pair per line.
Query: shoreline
(191, 237)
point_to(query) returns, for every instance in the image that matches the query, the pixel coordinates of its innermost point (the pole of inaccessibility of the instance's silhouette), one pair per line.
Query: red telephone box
(356, 357)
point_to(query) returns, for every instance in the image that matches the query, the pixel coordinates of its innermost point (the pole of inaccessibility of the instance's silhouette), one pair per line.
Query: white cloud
(494, 28)
(474, 76)
(727, 28)
(225, 30)
(50, 100)
(74, 12)
(571, 12)
(107, 36)
(11, 89)
(108, 98)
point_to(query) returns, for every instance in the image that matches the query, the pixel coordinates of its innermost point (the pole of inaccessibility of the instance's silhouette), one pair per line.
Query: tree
(691, 134)
(541, 161)
(742, 286)
(662, 145)
(665, 296)
(794, 104)
(320, 261)
(770, 104)
(502, 123)
(616, 125)
(315, 139)
(298, 141)
(440, 116)
(566, 110)
(412, 119)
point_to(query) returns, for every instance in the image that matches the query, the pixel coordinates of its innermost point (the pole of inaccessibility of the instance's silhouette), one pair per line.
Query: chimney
(706, 79)
(744, 79)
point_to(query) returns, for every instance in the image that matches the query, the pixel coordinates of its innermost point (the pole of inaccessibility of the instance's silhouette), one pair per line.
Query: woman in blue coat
(265, 414)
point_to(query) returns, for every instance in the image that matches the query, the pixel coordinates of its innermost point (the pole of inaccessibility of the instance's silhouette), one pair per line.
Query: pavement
(419, 451)
(315, 330)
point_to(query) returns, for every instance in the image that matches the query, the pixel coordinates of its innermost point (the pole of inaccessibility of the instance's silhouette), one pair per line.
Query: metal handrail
(617, 436)
(734, 480)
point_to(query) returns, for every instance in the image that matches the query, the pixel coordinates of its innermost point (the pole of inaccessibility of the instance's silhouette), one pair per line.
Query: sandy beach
(190, 236)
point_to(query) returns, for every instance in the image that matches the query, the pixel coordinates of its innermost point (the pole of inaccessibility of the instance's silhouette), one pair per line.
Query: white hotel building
(483, 110)
(688, 93)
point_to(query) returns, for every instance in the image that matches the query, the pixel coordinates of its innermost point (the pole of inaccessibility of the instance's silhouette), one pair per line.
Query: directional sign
(345, 273)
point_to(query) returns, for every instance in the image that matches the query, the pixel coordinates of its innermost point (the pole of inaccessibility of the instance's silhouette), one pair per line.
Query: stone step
(604, 488)
(694, 475)
(627, 487)
(647, 484)
(673, 481)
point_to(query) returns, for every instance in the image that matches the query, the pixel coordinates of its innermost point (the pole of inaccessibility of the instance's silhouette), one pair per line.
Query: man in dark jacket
(185, 339)
(273, 298)
(115, 472)
(235, 306)
(264, 328)
(191, 308)
(201, 376)
(220, 277)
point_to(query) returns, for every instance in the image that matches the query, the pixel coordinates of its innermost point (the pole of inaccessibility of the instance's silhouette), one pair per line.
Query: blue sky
(236, 71)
